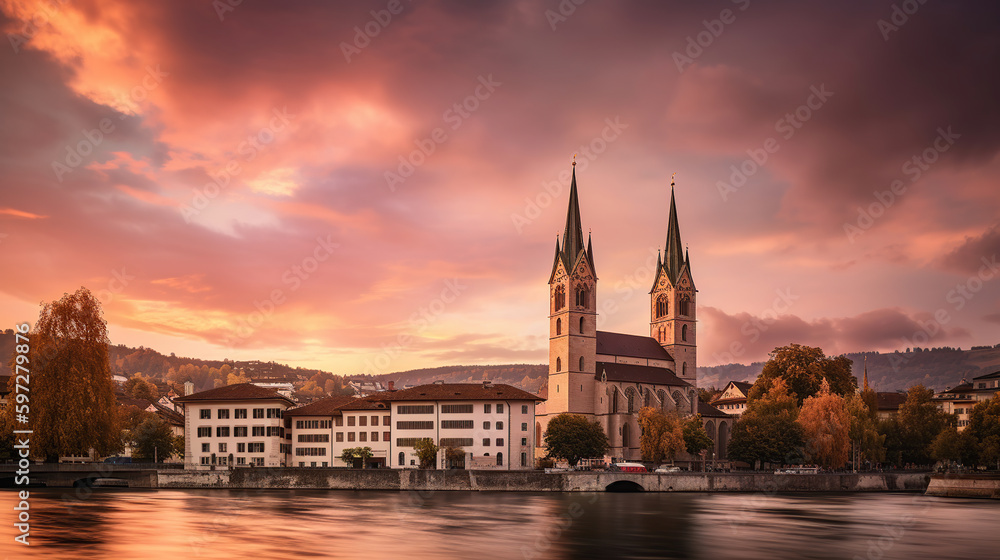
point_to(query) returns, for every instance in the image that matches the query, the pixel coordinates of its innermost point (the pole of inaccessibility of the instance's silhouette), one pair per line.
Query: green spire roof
(572, 241)
(674, 250)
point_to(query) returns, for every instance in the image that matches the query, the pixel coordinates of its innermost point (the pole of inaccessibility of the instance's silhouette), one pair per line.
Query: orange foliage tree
(825, 426)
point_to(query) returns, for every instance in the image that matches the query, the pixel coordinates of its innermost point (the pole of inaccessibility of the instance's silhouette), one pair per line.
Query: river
(266, 524)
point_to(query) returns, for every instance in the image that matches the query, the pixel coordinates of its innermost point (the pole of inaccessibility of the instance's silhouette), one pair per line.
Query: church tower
(572, 318)
(673, 310)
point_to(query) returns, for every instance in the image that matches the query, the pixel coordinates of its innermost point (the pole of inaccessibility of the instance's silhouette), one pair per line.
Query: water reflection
(222, 524)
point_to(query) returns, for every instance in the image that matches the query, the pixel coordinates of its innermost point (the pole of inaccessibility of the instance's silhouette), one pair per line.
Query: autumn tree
(867, 444)
(73, 406)
(696, 438)
(236, 378)
(768, 431)
(706, 395)
(426, 451)
(138, 387)
(662, 434)
(803, 369)
(573, 437)
(825, 428)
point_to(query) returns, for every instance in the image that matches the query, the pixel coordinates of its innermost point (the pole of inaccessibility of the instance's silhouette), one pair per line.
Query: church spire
(865, 383)
(572, 241)
(674, 251)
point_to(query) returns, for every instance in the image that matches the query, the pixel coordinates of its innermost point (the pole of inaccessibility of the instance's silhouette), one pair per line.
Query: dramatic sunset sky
(117, 115)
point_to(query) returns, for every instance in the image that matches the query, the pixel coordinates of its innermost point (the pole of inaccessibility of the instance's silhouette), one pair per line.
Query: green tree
(696, 438)
(984, 421)
(152, 440)
(73, 406)
(573, 437)
(919, 422)
(952, 445)
(426, 451)
(662, 434)
(768, 431)
(803, 368)
(355, 455)
(867, 443)
(825, 428)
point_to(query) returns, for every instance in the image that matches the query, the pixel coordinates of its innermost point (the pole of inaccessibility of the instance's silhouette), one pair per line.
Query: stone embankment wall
(965, 486)
(537, 481)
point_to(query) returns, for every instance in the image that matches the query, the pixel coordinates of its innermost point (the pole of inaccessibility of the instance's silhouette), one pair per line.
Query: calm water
(400, 525)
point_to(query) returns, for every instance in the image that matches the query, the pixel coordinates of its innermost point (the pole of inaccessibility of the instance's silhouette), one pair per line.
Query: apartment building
(236, 425)
(491, 424)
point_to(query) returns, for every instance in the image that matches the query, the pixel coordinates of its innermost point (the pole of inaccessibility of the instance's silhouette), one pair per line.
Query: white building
(239, 425)
(492, 424)
(733, 399)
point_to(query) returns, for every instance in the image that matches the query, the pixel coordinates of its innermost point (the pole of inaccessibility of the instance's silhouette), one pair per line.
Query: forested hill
(937, 368)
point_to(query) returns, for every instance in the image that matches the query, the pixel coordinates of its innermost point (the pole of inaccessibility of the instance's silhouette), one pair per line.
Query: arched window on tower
(684, 333)
(558, 327)
(581, 363)
(582, 297)
(663, 334)
(558, 364)
(581, 325)
(685, 306)
(560, 297)
(684, 369)
(661, 305)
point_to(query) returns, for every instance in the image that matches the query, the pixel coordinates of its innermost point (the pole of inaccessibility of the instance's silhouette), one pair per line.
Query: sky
(378, 187)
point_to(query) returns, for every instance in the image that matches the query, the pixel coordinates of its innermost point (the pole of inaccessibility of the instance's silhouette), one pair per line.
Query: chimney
(188, 388)
(392, 385)
(487, 384)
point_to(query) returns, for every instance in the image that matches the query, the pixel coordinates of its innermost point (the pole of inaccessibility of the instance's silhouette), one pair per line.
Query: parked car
(667, 469)
(628, 467)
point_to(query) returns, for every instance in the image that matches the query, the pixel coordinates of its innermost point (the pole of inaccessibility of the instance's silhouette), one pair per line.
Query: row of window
(559, 326)
(254, 447)
(310, 452)
(582, 297)
(241, 431)
(312, 425)
(259, 461)
(240, 413)
(314, 438)
(445, 409)
(663, 305)
(363, 421)
(360, 436)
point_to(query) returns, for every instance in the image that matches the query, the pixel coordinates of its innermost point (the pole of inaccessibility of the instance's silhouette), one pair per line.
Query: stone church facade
(606, 376)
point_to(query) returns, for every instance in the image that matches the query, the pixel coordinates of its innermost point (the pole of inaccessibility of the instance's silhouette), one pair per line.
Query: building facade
(607, 377)
(235, 425)
(733, 399)
(962, 398)
(491, 425)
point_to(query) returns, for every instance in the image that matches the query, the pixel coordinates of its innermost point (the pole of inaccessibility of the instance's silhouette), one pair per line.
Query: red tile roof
(332, 406)
(639, 374)
(238, 392)
(617, 344)
(889, 401)
(455, 392)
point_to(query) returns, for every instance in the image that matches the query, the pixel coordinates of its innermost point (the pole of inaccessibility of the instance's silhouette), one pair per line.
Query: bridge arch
(624, 486)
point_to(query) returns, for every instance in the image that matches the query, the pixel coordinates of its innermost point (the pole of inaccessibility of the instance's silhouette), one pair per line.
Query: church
(607, 377)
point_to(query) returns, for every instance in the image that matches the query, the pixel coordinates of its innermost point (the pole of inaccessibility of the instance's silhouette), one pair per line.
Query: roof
(572, 240)
(618, 344)
(743, 386)
(329, 406)
(889, 401)
(456, 392)
(708, 411)
(961, 388)
(639, 374)
(126, 400)
(238, 392)
(171, 416)
(673, 256)
(994, 375)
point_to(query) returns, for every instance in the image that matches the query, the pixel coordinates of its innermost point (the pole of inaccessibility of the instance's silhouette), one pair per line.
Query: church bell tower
(572, 318)
(673, 310)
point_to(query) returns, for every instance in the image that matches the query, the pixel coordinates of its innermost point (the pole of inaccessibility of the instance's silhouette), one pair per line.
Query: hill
(937, 368)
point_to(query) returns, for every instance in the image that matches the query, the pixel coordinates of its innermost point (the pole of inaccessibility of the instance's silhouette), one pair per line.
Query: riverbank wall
(965, 486)
(538, 481)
